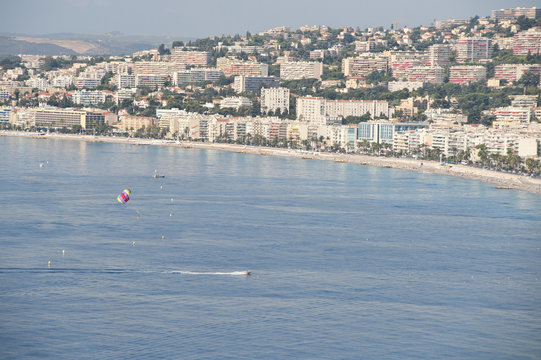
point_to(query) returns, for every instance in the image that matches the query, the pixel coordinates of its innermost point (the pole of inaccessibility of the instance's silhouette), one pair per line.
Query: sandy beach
(499, 179)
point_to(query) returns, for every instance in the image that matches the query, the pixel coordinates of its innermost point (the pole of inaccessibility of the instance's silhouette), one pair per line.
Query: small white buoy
(171, 199)
(133, 243)
(170, 214)
(49, 264)
(63, 252)
(41, 165)
(161, 187)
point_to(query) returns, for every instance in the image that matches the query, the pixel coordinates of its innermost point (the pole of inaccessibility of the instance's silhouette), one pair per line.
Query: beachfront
(500, 179)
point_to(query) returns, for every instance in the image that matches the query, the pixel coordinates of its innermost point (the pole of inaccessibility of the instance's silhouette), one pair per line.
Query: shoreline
(501, 180)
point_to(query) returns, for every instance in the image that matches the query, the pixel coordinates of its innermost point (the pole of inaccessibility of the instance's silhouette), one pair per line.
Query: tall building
(151, 81)
(60, 118)
(254, 83)
(87, 98)
(124, 81)
(296, 70)
(193, 58)
(275, 98)
(161, 68)
(513, 72)
(322, 111)
(473, 49)
(465, 74)
(511, 14)
(234, 67)
(361, 66)
(528, 42)
(196, 75)
(439, 54)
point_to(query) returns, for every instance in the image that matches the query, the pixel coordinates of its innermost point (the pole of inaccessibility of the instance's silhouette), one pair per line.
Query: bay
(347, 261)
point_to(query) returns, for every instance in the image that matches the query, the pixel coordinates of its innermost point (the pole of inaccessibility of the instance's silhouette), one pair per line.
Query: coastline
(501, 180)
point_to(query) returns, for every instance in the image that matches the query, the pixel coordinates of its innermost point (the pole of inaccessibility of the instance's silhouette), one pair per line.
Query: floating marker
(41, 165)
(170, 214)
(49, 264)
(63, 252)
(171, 199)
(163, 237)
(161, 187)
(133, 243)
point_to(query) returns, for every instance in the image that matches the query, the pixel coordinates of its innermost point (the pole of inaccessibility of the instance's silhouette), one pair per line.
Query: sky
(203, 18)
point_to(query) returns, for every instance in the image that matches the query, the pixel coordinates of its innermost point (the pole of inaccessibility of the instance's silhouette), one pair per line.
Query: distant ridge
(80, 44)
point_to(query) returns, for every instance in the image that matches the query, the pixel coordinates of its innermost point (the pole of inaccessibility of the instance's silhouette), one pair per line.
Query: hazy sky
(202, 18)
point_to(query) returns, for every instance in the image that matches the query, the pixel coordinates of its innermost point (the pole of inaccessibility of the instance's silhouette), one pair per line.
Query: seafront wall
(501, 180)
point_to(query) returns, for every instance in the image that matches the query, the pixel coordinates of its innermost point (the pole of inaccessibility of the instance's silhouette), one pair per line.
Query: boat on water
(156, 176)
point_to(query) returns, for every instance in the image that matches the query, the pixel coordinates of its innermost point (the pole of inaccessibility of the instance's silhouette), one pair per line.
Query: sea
(347, 261)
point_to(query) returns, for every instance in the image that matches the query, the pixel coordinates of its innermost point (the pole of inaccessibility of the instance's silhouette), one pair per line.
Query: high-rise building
(528, 42)
(465, 74)
(513, 72)
(275, 98)
(296, 70)
(254, 83)
(193, 58)
(439, 54)
(234, 67)
(361, 66)
(473, 49)
(510, 14)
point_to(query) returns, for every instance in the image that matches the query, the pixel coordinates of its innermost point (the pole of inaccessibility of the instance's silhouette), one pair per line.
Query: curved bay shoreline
(501, 180)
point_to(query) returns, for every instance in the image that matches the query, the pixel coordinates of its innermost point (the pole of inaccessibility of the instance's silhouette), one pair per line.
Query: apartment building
(383, 131)
(196, 75)
(273, 99)
(522, 114)
(192, 58)
(125, 81)
(87, 83)
(399, 85)
(160, 68)
(511, 14)
(151, 81)
(524, 101)
(87, 98)
(362, 66)
(130, 122)
(235, 102)
(439, 54)
(467, 74)
(234, 67)
(427, 74)
(473, 49)
(527, 42)
(296, 70)
(513, 72)
(322, 111)
(254, 83)
(67, 118)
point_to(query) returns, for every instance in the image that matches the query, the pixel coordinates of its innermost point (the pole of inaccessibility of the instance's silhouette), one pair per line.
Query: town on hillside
(458, 90)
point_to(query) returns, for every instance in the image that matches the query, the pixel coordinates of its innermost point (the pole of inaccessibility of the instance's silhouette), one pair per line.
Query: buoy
(171, 199)
(163, 237)
(133, 243)
(49, 264)
(41, 165)
(161, 187)
(170, 214)
(63, 252)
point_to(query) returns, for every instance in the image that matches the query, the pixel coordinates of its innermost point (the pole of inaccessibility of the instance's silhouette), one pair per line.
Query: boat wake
(118, 271)
(232, 273)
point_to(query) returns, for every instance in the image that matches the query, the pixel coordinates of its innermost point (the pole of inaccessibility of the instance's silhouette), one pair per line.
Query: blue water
(348, 261)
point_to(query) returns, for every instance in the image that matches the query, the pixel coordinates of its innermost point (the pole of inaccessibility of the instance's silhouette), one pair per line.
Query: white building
(87, 98)
(235, 102)
(296, 70)
(275, 98)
